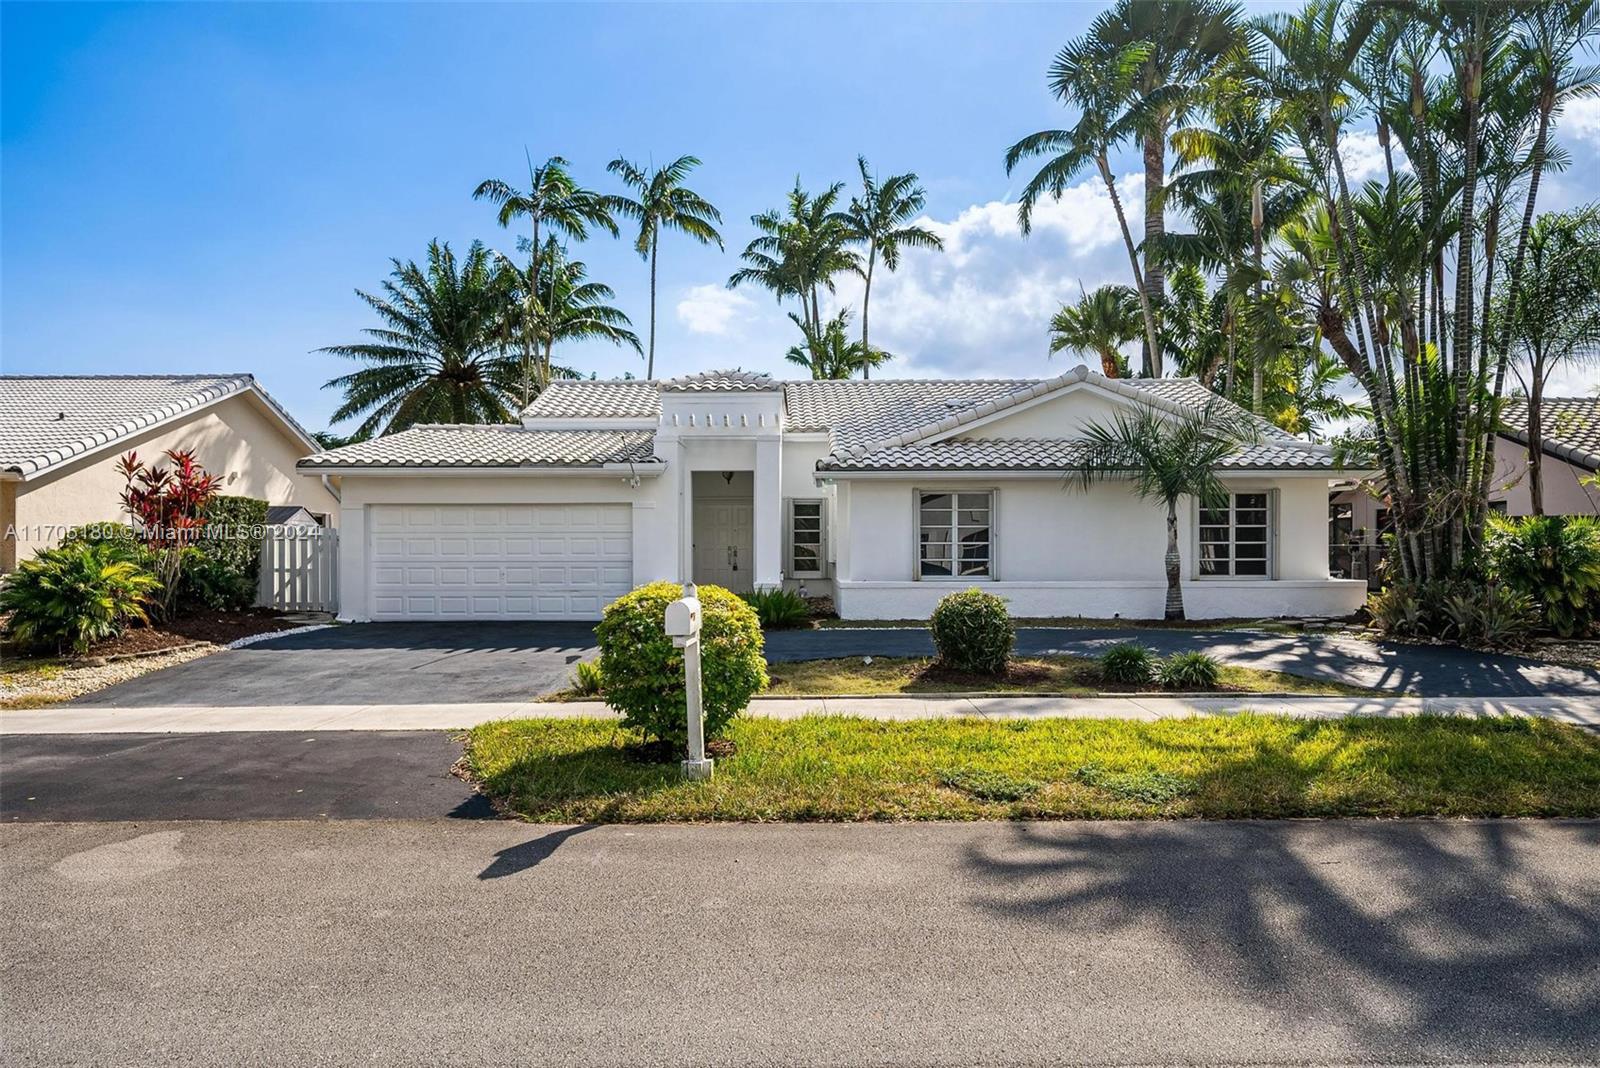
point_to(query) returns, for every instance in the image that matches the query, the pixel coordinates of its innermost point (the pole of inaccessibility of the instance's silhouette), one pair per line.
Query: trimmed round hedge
(973, 632)
(643, 671)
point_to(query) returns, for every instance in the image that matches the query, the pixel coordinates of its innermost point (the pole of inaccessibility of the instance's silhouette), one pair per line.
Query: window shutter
(1272, 532)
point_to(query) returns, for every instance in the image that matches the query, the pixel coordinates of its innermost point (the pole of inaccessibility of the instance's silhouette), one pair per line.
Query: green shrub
(1127, 665)
(587, 678)
(643, 671)
(74, 595)
(210, 582)
(1494, 615)
(779, 609)
(1189, 671)
(1555, 560)
(973, 632)
(1396, 610)
(109, 531)
(222, 569)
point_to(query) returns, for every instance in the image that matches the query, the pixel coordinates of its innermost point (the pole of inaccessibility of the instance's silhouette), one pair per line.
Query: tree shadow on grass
(1422, 939)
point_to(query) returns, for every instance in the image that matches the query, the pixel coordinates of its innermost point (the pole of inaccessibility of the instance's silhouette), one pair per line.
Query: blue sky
(201, 187)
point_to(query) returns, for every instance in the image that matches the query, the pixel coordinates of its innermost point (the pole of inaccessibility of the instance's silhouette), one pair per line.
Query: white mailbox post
(683, 627)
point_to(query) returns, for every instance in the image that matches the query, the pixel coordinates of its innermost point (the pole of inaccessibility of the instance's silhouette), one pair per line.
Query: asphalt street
(424, 943)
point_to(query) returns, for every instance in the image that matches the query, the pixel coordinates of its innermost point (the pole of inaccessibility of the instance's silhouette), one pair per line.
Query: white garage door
(528, 561)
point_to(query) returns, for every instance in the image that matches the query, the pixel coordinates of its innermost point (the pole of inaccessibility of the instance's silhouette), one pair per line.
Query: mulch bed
(217, 627)
(1019, 673)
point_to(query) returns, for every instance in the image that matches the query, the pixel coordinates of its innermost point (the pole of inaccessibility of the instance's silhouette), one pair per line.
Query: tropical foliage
(1100, 324)
(77, 594)
(1164, 457)
(437, 355)
(660, 201)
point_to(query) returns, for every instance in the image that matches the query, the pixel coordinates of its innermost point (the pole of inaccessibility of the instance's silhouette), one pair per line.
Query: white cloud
(982, 307)
(1362, 154)
(1581, 119)
(712, 309)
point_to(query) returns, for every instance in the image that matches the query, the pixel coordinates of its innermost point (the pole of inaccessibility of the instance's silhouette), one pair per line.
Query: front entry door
(724, 541)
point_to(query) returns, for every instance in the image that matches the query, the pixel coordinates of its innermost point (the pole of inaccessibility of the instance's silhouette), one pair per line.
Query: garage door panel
(498, 561)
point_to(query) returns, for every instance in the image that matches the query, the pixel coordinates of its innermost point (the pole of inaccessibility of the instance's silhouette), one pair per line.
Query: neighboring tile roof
(46, 420)
(434, 445)
(1571, 427)
(1043, 454)
(722, 382)
(616, 399)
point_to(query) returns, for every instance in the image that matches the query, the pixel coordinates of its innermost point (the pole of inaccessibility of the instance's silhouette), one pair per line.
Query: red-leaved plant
(168, 508)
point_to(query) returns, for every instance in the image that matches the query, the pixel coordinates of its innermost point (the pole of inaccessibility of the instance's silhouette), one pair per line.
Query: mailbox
(683, 620)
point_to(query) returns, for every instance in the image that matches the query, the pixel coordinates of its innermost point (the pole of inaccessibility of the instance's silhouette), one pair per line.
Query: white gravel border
(240, 643)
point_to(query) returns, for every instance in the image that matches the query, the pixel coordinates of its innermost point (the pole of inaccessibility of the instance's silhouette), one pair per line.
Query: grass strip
(839, 768)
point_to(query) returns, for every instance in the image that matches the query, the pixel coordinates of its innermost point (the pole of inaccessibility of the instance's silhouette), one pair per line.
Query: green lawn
(841, 768)
(1070, 675)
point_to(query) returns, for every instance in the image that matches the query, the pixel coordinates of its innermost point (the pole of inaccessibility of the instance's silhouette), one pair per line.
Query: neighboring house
(885, 495)
(61, 437)
(1358, 519)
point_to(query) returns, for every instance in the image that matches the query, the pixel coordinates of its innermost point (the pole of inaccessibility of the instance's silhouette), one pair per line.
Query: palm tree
(1099, 86)
(1165, 457)
(568, 307)
(663, 202)
(880, 218)
(829, 352)
(553, 201)
(1101, 322)
(1183, 42)
(800, 253)
(1556, 316)
(435, 357)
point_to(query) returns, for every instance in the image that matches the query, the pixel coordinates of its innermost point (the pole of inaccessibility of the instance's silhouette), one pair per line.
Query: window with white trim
(955, 534)
(1237, 539)
(808, 538)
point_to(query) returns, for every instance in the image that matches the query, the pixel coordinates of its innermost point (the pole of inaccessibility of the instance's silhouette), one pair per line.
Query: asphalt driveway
(370, 664)
(447, 663)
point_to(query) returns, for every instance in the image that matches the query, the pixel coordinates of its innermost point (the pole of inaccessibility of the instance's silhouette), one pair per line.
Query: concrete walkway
(189, 719)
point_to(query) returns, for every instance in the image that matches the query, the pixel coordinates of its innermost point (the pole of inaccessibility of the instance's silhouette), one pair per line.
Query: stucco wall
(1564, 492)
(1096, 553)
(235, 439)
(1058, 415)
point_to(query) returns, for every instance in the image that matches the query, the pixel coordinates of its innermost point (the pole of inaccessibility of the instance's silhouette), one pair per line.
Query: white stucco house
(885, 495)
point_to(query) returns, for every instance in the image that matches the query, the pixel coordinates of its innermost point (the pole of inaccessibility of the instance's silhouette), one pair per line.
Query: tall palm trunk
(650, 364)
(1151, 339)
(1155, 225)
(1174, 564)
(866, 300)
(1461, 342)
(1258, 371)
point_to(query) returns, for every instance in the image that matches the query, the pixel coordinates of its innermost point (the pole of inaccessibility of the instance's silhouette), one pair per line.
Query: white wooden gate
(300, 569)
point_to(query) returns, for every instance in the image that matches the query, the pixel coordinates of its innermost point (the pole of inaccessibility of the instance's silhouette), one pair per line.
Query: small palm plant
(1101, 323)
(1165, 456)
(75, 595)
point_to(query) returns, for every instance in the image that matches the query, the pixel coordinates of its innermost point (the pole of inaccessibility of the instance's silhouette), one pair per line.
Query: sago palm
(1164, 457)
(433, 357)
(1100, 323)
(660, 201)
(881, 218)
